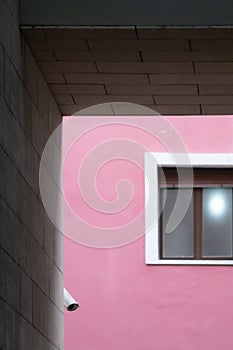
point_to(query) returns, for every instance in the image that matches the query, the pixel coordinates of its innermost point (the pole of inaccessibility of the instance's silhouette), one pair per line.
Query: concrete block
(58, 249)
(44, 343)
(13, 187)
(42, 44)
(139, 45)
(73, 109)
(217, 109)
(64, 99)
(41, 311)
(218, 89)
(7, 323)
(48, 239)
(25, 111)
(38, 341)
(96, 99)
(54, 78)
(152, 89)
(31, 73)
(20, 332)
(25, 336)
(211, 44)
(55, 117)
(56, 286)
(213, 67)
(20, 196)
(3, 327)
(38, 221)
(31, 170)
(52, 347)
(2, 171)
(37, 263)
(1, 70)
(145, 67)
(11, 86)
(79, 78)
(31, 213)
(186, 56)
(99, 55)
(44, 55)
(16, 241)
(82, 89)
(55, 325)
(103, 109)
(192, 100)
(9, 280)
(40, 133)
(10, 36)
(43, 98)
(68, 67)
(12, 233)
(5, 222)
(14, 8)
(12, 136)
(26, 296)
(177, 109)
(202, 78)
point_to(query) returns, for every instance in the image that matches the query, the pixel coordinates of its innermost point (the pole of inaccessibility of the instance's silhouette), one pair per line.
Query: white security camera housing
(69, 302)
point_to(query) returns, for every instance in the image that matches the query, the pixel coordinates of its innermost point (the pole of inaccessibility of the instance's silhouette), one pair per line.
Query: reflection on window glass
(217, 222)
(178, 243)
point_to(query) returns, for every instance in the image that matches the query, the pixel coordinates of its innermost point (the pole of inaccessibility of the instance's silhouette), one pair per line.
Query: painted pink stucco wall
(125, 304)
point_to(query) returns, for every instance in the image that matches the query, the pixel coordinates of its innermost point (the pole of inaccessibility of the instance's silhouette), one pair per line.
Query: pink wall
(125, 304)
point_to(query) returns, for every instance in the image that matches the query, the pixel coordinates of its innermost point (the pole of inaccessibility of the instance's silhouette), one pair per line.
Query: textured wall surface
(174, 71)
(124, 303)
(31, 267)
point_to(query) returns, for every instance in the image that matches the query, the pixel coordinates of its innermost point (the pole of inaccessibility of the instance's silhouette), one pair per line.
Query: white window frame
(154, 160)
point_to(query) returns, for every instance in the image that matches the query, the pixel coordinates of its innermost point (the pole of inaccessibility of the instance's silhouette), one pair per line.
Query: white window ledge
(152, 162)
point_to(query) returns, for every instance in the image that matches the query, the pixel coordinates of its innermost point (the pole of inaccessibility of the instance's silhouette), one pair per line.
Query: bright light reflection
(217, 205)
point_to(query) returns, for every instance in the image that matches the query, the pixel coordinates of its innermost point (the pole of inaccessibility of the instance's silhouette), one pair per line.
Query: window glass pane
(178, 243)
(217, 222)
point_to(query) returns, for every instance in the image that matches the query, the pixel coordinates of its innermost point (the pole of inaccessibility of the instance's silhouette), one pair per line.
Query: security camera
(69, 302)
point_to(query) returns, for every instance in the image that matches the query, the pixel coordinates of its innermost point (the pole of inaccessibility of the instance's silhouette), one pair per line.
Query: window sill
(191, 262)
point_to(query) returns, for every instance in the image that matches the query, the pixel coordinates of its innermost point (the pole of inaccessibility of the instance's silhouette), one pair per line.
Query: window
(206, 228)
(204, 233)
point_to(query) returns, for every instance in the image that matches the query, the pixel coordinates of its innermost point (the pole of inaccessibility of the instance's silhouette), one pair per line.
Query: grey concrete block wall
(31, 255)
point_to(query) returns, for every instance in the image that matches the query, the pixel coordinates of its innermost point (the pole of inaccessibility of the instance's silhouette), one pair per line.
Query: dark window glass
(217, 222)
(207, 227)
(179, 242)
